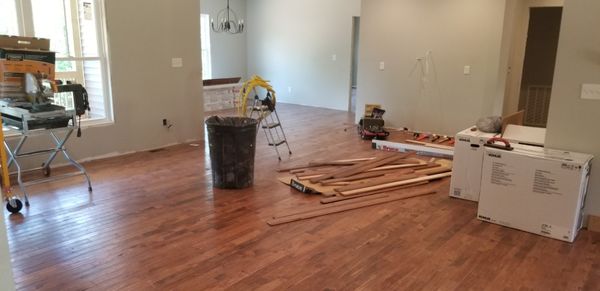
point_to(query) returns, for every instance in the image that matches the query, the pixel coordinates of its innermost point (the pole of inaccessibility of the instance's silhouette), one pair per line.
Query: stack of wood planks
(356, 183)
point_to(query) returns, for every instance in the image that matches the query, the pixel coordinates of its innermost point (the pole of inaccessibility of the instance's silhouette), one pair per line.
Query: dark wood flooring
(154, 222)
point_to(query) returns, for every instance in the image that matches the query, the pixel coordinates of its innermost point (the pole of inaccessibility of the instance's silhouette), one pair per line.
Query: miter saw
(35, 109)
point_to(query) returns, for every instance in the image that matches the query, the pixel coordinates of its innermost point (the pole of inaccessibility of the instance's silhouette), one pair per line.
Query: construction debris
(357, 183)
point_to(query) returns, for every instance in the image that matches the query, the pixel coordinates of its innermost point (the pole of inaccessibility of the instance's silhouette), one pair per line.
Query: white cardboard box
(467, 162)
(537, 190)
(525, 135)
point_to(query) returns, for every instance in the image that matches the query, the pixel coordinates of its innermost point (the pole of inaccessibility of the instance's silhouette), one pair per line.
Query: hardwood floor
(154, 222)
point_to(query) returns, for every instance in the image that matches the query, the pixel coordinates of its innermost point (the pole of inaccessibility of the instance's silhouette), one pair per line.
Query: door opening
(354, 66)
(538, 64)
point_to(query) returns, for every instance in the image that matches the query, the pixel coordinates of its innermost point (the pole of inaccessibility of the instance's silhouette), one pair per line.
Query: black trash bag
(232, 143)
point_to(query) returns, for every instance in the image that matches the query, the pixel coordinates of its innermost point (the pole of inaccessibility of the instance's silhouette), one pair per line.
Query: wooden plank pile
(356, 183)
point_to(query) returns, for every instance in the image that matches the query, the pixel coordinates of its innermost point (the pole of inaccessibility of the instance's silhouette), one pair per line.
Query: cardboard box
(467, 163)
(369, 108)
(533, 189)
(526, 135)
(20, 55)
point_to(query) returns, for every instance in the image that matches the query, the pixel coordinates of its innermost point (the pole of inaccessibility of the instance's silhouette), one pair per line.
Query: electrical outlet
(590, 91)
(334, 57)
(290, 91)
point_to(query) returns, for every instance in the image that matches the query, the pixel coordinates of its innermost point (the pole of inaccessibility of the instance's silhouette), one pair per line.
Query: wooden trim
(394, 184)
(342, 198)
(340, 162)
(318, 164)
(392, 167)
(343, 208)
(433, 171)
(375, 182)
(320, 207)
(363, 167)
(366, 175)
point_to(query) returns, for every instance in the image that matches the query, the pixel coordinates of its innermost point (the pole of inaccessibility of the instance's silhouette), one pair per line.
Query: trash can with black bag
(232, 143)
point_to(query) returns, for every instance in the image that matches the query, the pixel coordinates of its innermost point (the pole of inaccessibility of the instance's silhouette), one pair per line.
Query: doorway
(354, 65)
(538, 64)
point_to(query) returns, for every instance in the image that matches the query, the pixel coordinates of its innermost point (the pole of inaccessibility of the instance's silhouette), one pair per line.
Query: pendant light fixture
(227, 21)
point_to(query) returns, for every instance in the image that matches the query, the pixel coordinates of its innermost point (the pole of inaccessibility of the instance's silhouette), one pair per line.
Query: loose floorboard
(154, 222)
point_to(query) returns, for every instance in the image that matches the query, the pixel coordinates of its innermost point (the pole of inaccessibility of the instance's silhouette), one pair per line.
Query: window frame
(205, 45)
(24, 10)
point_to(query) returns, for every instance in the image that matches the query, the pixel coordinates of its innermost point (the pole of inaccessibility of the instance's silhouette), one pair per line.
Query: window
(76, 32)
(8, 18)
(205, 40)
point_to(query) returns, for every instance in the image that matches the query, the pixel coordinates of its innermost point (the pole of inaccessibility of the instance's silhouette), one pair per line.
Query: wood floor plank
(154, 222)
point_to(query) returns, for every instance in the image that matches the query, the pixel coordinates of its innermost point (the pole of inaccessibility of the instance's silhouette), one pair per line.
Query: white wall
(6, 278)
(291, 43)
(573, 122)
(228, 51)
(458, 33)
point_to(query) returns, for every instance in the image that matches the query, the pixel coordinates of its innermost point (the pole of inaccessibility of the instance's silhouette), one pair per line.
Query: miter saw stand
(57, 123)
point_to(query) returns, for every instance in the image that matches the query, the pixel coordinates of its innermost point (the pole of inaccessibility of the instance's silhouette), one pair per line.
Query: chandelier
(227, 21)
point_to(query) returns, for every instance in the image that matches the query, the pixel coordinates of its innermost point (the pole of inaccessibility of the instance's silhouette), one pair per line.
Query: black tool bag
(80, 97)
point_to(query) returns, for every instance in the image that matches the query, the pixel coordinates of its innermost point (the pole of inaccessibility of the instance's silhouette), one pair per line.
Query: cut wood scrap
(394, 184)
(361, 167)
(388, 190)
(323, 190)
(356, 169)
(299, 167)
(433, 171)
(383, 180)
(392, 167)
(356, 177)
(297, 171)
(316, 172)
(368, 175)
(341, 183)
(319, 207)
(342, 208)
(431, 145)
(309, 177)
(339, 162)
(370, 165)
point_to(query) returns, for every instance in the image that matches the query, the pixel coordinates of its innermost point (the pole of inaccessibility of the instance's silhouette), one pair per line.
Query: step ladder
(265, 112)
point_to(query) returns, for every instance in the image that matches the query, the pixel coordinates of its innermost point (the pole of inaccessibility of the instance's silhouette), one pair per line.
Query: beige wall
(573, 122)
(291, 43)
(518, 16)
(228, 51)
(6, 278)
(458, 33)
(145, 89)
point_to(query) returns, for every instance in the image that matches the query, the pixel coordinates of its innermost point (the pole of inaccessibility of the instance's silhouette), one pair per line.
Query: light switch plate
(467, 70)
(381, 66)
(590, 91)
(176, 62)
(334, 57)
